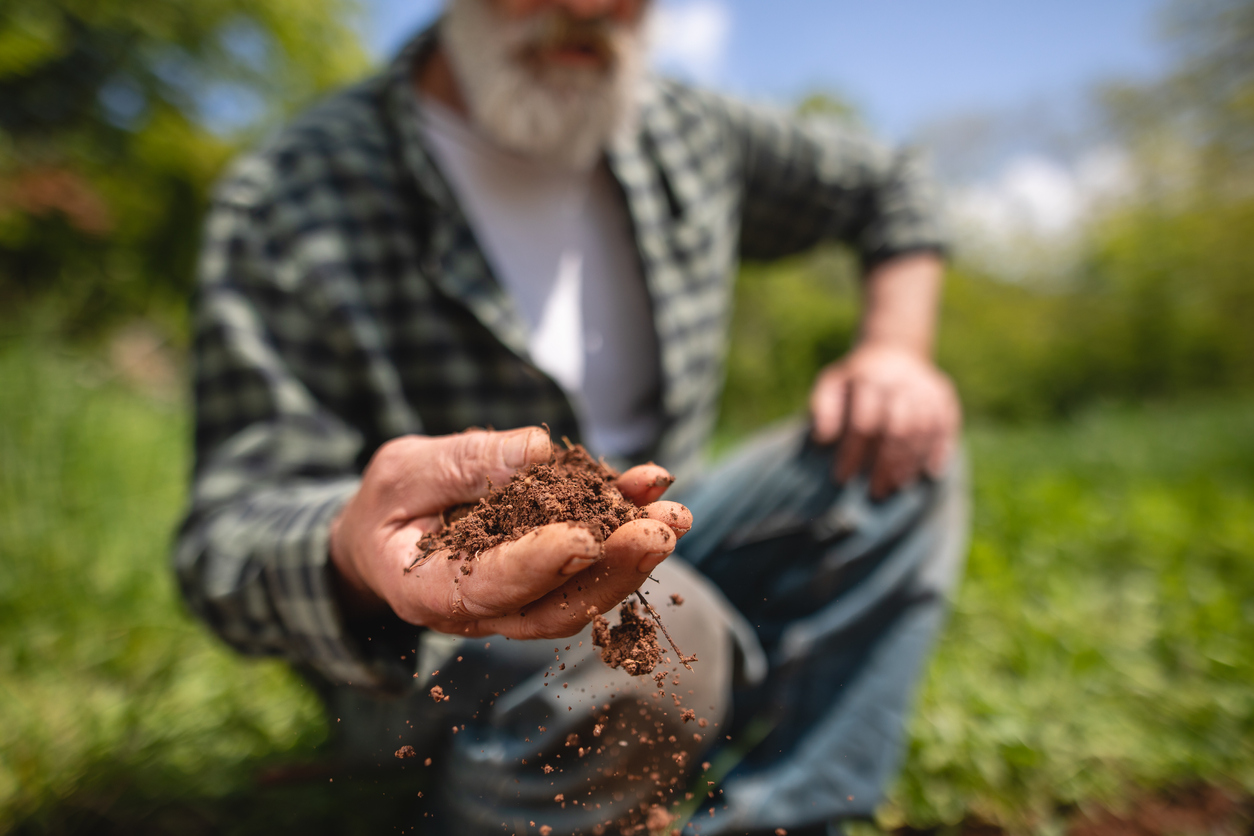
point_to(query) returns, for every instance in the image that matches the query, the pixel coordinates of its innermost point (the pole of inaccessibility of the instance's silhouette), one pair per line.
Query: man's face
(554, 79)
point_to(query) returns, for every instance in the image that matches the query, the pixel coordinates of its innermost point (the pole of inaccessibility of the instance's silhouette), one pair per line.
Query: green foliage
(791, 318)
(1162, 308)
(106, 685)
(105, 157)
(1104, 635)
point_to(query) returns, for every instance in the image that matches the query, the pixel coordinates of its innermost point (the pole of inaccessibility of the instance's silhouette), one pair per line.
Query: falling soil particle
(677, 599)
(406, 752)
(658, 818)
(572, 488)
(631, 645)
(437, 694)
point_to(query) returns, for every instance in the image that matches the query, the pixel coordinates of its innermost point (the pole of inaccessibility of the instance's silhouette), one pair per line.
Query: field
(1102, 642)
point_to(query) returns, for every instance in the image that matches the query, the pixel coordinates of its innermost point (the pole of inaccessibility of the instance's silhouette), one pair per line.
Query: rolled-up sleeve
(813, 180)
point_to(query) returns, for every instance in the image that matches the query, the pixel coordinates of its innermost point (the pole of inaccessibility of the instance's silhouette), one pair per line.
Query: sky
(999, 92)
(903, 63)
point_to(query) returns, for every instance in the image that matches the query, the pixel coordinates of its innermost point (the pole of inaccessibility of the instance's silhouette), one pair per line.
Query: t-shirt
(560, 242)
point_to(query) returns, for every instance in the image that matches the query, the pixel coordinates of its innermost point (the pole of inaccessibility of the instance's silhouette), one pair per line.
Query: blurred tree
(1196, 127)
(115, 116)
(1160, 307)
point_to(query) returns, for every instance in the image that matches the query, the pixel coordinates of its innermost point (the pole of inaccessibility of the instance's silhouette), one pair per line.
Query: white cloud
(690, 38)
(1036, 205)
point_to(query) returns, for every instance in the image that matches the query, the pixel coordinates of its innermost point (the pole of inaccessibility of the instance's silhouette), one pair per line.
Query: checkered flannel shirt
(344, 301)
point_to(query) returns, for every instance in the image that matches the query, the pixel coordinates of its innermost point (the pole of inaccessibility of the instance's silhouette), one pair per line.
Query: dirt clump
(631, 645)
(406, 752)
(572, 488)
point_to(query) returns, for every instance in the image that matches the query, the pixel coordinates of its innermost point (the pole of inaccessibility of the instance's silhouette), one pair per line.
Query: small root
(657, 619)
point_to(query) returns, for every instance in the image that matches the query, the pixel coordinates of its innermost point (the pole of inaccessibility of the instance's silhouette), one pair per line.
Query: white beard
(566, 116)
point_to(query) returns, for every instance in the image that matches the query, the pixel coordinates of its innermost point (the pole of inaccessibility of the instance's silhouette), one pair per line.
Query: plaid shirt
(344, 301)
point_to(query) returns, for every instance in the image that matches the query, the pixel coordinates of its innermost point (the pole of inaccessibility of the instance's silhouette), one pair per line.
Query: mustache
(559, 30)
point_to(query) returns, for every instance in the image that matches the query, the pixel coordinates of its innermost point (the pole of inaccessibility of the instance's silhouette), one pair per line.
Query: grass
(1103, 638)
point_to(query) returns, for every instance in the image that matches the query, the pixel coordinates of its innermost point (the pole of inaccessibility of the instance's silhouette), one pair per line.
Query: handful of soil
(572, 488)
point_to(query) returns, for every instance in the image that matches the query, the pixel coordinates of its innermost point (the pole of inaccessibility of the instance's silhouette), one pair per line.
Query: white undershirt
(561, 245)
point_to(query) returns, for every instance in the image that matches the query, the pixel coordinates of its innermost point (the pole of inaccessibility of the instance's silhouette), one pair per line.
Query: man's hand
(539, 586)
(892, 411)
(890, 408)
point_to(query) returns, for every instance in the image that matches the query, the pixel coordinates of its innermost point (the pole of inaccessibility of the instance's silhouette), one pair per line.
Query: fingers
(628, 556)
(902, 446)
(510, 576)
(644, 483)
(948, 426)
(918, 435)
(866, 410)
(828, 401)
(673, 514)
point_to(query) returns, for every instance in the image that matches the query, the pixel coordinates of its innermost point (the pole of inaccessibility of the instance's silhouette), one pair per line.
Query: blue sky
(904, 63)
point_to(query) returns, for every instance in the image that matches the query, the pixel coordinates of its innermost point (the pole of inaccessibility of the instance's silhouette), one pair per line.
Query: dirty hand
(893, 412)
(539, 586)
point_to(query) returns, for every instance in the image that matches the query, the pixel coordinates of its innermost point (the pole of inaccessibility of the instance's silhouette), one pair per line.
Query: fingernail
(524, 447)
(578, 564)
(651, 561)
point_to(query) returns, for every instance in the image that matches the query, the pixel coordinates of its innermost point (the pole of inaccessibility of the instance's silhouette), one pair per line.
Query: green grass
(1103, 638)
(108, 689)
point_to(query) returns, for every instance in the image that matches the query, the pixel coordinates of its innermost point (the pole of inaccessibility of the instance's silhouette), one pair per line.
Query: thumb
(828, 405)
(463, 464)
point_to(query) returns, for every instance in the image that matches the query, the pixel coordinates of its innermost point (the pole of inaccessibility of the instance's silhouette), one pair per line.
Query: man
(515, 226)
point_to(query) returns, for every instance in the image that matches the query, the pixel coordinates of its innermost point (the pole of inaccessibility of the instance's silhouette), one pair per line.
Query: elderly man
(515, 225)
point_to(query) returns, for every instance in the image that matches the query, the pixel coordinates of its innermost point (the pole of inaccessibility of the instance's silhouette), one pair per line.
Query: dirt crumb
(677, 599)
(572, 488)
(631, 645)
(406, 752)
(658, 818)
(437, 694)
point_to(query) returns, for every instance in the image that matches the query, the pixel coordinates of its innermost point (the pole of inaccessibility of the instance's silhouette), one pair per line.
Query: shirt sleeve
(273, 465)
(814, 180)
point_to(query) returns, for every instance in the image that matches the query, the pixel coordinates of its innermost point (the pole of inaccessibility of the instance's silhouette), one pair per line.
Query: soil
(572, 488)
(1201, 810)
(658, 818)
(576, 489)
(406, 752)
(631, 645)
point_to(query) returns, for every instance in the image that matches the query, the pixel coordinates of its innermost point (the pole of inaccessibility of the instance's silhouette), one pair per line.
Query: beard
(560, 114)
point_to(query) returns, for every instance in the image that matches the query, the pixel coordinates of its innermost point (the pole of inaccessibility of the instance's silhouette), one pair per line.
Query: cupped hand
(893, 413)
(542, 585)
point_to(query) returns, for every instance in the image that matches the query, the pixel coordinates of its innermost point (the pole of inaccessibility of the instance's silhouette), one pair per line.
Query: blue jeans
(811, 608)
